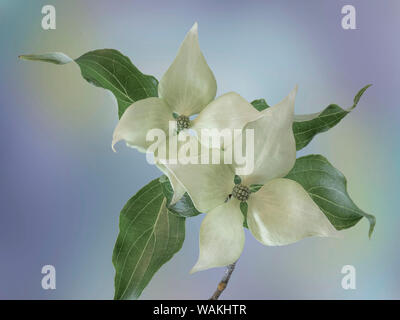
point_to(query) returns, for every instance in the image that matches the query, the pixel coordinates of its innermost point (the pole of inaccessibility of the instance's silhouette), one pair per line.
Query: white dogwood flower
(187, 88)
(279, 213)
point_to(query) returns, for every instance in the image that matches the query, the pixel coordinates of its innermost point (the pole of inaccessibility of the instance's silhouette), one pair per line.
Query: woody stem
(224, 281)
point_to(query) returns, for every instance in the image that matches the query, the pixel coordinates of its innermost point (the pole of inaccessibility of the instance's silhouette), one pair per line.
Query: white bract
(187, 88)
(279, 213)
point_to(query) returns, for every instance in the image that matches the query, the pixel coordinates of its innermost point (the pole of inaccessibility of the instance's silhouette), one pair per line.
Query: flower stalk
(224, 281)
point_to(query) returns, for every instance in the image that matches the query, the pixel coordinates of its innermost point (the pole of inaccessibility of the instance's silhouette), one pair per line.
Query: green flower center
(182, 122)
(241, 192)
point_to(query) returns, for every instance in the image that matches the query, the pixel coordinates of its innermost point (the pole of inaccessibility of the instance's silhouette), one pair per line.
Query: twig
(224, 282)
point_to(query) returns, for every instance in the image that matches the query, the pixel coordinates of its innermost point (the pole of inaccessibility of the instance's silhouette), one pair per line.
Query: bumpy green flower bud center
(241, 192)
(182, 122)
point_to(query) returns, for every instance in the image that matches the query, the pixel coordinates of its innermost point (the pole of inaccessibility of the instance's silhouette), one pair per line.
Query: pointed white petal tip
(197, 268)
(114, 141)
(193, 270)
(194, 28)
(292, 95)
(174, 199)
(331, 232)
(334, 234)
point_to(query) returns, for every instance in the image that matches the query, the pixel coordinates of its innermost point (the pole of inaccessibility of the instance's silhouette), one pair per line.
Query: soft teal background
(62, 187)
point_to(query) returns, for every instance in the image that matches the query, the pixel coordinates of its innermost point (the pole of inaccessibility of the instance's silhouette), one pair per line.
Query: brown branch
(224, 282)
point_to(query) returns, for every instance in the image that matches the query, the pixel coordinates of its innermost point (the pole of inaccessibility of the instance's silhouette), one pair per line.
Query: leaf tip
(23, 57)
(358, 96)
(372, 223)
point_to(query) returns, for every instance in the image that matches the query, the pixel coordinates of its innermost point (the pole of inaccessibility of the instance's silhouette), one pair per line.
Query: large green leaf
(328, 188)
(109, 69)
(306, 126)
(149, 235)
(184, 207)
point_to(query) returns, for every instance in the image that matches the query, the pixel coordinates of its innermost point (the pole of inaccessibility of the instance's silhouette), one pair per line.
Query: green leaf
(184, 207)
(260, 104)
(53, 57)
(255, 187)
(328, 188)
(109, 69)
(237, 179)
(244, 208)
(149, 235)
(175, 115)
(305, 127)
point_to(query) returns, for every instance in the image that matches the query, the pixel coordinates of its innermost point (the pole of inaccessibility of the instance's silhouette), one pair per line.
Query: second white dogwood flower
(279, 213)
(187, 88)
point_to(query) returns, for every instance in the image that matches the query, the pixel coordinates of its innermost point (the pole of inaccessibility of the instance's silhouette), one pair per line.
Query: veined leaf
(109, 69)
(306, 126)
(328, 188)
(149, 235)
(184, 207)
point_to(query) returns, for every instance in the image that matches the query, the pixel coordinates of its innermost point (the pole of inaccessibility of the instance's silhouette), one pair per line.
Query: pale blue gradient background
(62, 187)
